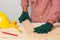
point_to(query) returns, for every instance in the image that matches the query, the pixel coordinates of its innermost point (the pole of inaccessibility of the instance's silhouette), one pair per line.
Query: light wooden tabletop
(53, 35)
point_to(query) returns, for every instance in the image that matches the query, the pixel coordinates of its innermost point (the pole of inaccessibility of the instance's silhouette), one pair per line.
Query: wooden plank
(28, 26)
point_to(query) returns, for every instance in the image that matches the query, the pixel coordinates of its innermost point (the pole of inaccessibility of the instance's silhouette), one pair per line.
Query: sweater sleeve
(24, 3)
(53, 11)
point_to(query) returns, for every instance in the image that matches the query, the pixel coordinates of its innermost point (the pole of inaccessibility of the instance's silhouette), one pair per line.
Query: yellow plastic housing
(4, 21)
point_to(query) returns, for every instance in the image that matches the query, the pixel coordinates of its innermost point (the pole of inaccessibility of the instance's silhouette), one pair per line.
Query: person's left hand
(45, 28)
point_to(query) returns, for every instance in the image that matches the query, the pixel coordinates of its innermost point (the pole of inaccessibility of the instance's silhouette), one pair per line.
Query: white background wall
(12, 8)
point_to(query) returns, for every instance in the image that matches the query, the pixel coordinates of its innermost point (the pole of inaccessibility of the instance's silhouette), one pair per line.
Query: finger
(46, 31)
(39, 30)
(36, 29)
(42, 31)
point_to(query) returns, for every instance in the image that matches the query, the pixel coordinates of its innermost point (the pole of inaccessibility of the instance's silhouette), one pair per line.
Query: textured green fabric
(24, 16)
(45, 28)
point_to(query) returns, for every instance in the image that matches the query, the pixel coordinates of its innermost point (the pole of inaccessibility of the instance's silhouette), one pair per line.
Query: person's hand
(45, 28)
(24, 16)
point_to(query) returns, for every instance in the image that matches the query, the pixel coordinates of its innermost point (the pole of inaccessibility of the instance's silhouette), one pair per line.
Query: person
(42, 11)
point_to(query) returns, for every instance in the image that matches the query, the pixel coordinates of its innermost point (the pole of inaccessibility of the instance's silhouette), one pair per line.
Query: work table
(53, 35)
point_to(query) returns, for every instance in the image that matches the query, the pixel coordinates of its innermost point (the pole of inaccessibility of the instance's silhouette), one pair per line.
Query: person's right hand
(24, 16)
